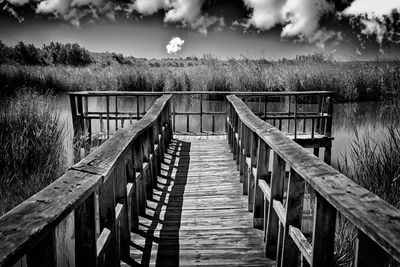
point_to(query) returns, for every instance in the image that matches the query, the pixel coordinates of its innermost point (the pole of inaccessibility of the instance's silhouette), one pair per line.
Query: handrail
(224, 93)
(93, 206)
(378, 222)
(318, 120)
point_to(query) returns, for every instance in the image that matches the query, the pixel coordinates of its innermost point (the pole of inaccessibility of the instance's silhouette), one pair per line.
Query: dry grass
(375, 165)
(352, 80)
(31, 146)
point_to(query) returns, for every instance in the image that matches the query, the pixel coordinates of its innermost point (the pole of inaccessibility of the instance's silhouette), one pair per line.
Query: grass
(354, 81)
(375, 165)
(31, 146)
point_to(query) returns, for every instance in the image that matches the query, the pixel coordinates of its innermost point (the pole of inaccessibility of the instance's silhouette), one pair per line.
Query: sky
(272, 29)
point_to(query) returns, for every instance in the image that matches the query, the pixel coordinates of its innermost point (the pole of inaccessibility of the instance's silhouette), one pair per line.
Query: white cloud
(299, 18)
(53, 6)
(371, 15)
(265, 13)
(183, 10)
(174, 45)
(186, 12)
(372, 8)
(148, 7)
(302, 17)
(18, 2)
(75, 10)
(372, 27)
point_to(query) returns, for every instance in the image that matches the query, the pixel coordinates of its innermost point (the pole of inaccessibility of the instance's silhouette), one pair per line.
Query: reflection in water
(349, 120)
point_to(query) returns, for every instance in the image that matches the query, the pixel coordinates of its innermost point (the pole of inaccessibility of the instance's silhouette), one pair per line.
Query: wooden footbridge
(156, 193)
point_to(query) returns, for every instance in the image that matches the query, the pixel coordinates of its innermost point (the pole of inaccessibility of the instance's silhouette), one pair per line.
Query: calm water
(349, 119)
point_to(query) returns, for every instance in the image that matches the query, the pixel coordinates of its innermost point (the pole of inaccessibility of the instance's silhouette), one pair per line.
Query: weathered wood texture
(90, 208)
(198, 215)
(378, 221)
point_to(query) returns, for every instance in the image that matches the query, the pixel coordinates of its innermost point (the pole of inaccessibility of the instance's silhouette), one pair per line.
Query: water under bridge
(251, 186)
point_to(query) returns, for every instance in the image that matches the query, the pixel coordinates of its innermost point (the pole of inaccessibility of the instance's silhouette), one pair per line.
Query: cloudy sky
(348, 29)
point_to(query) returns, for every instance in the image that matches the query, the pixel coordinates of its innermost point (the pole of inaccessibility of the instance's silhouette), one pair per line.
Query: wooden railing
(294, 120)
(84, 218)
(277, 202)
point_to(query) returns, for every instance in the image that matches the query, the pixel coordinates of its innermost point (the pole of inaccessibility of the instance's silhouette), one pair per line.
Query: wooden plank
(265, 189)
(302, 243)
(280, 211)
(197, 216)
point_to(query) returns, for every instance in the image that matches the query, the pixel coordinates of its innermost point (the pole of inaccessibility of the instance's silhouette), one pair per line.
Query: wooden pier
(152, 196)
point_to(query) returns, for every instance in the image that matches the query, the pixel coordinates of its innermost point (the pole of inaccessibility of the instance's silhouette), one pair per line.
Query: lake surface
(349, 119)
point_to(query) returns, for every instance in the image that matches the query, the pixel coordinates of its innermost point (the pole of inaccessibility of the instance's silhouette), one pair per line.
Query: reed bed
(354, 81)
(31, 146)
(375, 165)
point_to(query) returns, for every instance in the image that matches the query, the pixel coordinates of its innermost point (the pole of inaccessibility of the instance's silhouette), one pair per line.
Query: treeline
(52, 54)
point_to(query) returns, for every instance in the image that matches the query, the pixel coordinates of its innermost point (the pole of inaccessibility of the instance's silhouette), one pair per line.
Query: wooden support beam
(323, 233)
(294, 212)
(271, 226)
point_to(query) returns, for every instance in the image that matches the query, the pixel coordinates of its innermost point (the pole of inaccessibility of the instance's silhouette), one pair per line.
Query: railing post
(246, 154)
(170, 131)
(238, 145)
(85, 233)
(109, 250)
(173, 103)
(132, 193)
(201, 113)
(272, 225)
(148, 179)
(328, 129)
(140, 179)
(234, 132)
(137, 107)
(152, 160)
(319, 113)
(241, 150)
(294, 211)
(122, 216)
(253, 164)
(161, 143)
(75, 120)
(295, 117)
(108, 115)
(228, 126)
(116, 113)
(262, 165)
(323, 233)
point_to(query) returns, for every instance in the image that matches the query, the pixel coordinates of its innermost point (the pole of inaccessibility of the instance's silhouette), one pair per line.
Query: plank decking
(198, 215)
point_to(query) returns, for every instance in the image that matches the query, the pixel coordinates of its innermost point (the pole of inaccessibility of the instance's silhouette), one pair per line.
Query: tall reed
(375, 165)
(31, 146)
(352, 80)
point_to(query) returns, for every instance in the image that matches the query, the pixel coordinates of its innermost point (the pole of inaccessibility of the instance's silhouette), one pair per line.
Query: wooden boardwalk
(198, 215)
